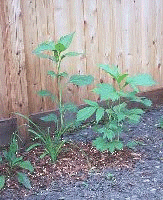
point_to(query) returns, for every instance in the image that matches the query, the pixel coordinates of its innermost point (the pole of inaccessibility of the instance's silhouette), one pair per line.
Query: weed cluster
(114, 115)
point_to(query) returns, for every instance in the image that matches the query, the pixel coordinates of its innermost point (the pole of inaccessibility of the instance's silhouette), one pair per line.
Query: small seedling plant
(13, 164)
(116, 112)
(55, 51)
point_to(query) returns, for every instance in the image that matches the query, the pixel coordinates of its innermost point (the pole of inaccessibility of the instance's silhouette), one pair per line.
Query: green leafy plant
(52, 143)
(13, 163)
(57, 55)
(116, 112)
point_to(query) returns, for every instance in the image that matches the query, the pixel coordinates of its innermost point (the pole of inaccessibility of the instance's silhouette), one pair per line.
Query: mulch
(74, 163)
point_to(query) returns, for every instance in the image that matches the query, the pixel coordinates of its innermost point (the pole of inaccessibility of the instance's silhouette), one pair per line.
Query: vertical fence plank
(91, 38)
(14, 58)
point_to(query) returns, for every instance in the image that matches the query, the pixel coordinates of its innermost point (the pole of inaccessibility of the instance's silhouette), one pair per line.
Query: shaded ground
(128, 174)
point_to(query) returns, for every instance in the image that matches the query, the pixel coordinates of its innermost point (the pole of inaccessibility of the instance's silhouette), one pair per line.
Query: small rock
(153, 190)
(146, 180)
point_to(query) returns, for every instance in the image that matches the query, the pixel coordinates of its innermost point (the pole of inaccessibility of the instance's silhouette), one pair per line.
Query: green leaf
(13, 145)
(134, 118)
(100, 144)
(60, 47)
(17, 160)
(26, 165)
(66, 40)
(0, 158)
(45, 46)
(99, 114)
(112, 146)
(33, 146)
(70, 54)
(108, 133)
(49, 118)
(146, 102)
(2, 182)
(81, 80)
(46, 93)
(23, 179)
(91, 103)
(52, 74)
(141, 79)
(136, 111)
(119, 110)
(44, 154)
(121, 77)
(106, 91)
(85, 113)
(70, 107)
(119, 107)
(132, 144)
(63, 74)
(113, 71)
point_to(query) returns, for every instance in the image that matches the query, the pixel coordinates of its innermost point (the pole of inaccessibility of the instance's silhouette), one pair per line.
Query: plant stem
(60, 92)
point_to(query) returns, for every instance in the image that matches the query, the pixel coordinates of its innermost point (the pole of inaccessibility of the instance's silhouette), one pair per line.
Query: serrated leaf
(119, 110)
(27, 165)
(99, 114)
(100, 144)
(23, 179)
(85, 113)
(108, 133)
(81, 80)
(66, 40)
(49, 118)
(91, 103)
(112, 146)
(119, 107)
(70, 54)
(112, 70)
(33, 146)
(121, 77)
(52, 74)
(106, 91)
(141, 79)
(2, 182)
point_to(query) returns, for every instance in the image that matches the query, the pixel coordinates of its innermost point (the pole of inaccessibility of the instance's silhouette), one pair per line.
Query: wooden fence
(128, 33)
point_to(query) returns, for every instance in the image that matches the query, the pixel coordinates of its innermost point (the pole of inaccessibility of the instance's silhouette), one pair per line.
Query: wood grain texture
(127, 33)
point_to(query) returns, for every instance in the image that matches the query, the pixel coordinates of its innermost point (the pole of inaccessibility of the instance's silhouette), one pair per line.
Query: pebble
(153, 190)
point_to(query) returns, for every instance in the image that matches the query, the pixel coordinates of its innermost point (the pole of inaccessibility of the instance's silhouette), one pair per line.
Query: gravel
(144, 181)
